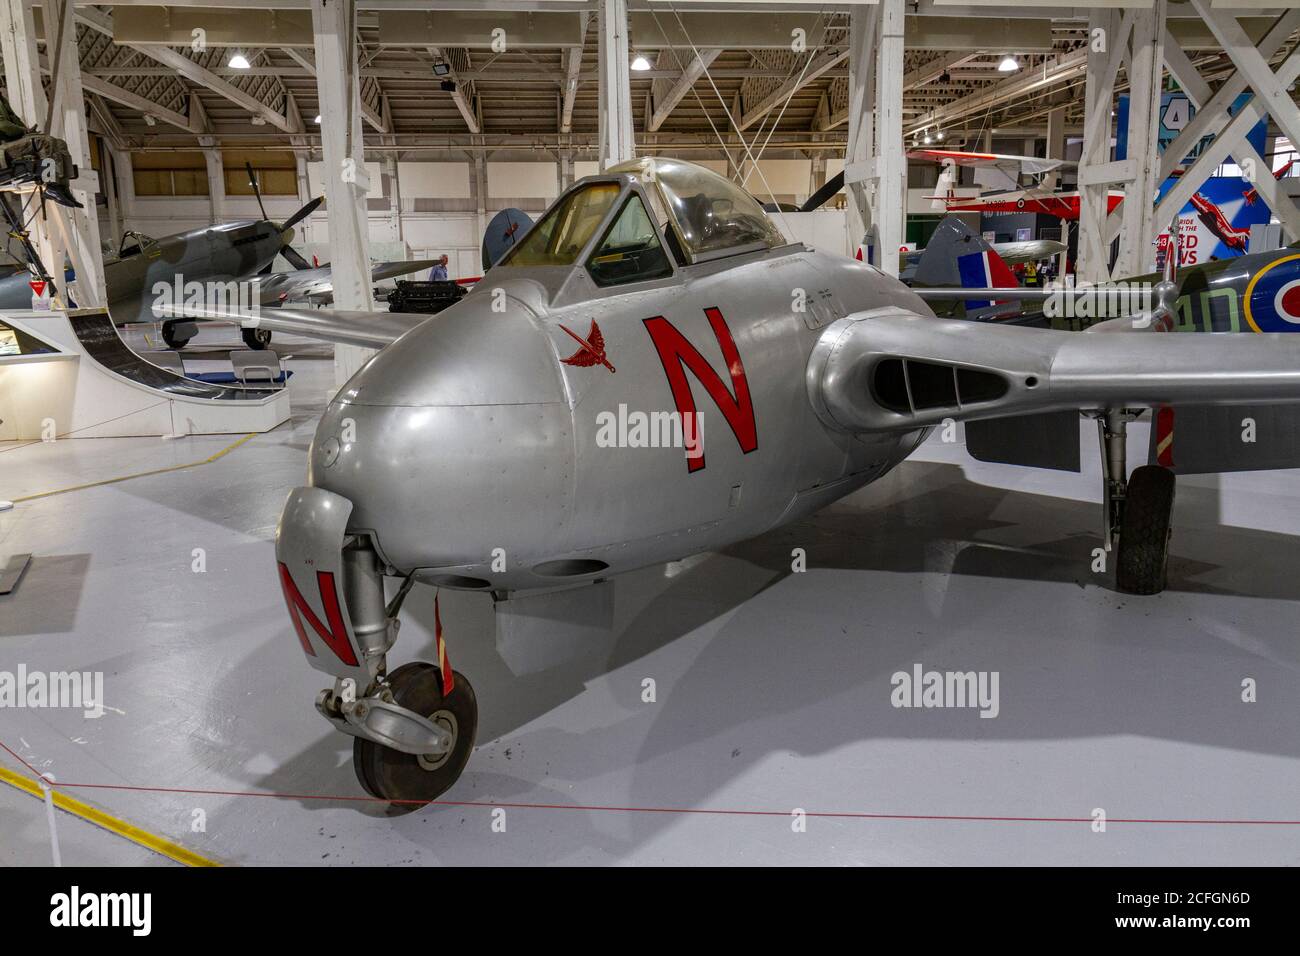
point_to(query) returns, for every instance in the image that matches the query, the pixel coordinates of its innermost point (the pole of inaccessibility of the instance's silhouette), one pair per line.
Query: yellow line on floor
(140, 474)
(84, 811)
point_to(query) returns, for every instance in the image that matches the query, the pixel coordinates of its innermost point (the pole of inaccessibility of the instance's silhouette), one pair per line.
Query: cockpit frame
(678, 250)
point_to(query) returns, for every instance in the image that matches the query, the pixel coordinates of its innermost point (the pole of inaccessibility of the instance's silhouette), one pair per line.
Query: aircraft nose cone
(467, 355)
(452, 443)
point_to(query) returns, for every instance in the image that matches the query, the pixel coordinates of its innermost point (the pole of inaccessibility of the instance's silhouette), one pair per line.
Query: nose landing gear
(412, 780)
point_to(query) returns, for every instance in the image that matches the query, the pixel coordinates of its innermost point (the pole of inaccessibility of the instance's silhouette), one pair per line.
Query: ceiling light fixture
(640, 63)
(1009, 64)
(239, 62)
(317, 119)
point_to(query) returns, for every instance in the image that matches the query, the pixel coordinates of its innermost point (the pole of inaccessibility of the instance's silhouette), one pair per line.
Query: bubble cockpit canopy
(704, 216)
(713, 216)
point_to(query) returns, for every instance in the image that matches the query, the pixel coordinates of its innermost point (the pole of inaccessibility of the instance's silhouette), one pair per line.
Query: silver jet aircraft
(485, 448)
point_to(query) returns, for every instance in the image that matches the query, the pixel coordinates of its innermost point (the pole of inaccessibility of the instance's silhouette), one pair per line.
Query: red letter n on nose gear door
(677, 354)
(336, 636)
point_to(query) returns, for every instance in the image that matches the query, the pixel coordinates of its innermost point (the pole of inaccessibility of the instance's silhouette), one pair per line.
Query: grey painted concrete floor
(773, 688)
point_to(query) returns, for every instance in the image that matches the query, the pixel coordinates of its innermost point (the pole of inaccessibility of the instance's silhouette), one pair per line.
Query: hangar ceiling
(541, 90)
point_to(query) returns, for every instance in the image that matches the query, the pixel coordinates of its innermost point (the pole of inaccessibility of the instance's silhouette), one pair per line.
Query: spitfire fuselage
(223, 253)
(527, 435)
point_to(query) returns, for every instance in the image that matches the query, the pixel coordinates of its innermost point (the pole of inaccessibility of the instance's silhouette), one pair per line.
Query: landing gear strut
(413, 736)
(1137, 510)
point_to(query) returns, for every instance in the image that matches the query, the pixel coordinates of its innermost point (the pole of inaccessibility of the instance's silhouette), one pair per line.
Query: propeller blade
(821, 196)
(302, 213)
(252, 181)
(296, 260)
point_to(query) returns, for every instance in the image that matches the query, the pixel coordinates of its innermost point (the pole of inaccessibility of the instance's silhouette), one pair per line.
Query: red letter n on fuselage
(677, 355)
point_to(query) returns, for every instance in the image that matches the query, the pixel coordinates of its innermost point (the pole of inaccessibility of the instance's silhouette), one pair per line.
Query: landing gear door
(309, 553)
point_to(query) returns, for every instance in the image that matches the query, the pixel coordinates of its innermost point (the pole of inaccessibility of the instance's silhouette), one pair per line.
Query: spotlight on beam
(640, 63)
(1009, 64)
(239, 62)
(317, 119)
(150, 120)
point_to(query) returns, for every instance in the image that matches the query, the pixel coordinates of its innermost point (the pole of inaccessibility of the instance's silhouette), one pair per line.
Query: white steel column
(1055, 145)
(395, 196)
(861, 135)
(79, 229)
(891, 163)
(615, 102)
(344, 174)
(27, 98)
(124, 178)
(111, 194)
(1138, 229)
(480, 200)
(216, 180)
(1135, 36)
(875, 168)
(1107, 31)
(1212, 117)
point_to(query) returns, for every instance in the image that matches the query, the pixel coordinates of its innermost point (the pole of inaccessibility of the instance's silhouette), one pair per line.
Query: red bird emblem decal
(591, 350)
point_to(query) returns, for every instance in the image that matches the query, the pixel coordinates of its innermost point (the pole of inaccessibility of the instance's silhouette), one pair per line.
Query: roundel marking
(1287, 302)
(1272, 299)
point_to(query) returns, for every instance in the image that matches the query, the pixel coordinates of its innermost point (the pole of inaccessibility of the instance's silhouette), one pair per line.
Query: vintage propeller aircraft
(228, 252)
(1041, 197)
(235, 252)
(474, 450)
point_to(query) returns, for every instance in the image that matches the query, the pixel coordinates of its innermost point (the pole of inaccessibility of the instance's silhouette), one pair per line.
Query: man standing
(439, 272)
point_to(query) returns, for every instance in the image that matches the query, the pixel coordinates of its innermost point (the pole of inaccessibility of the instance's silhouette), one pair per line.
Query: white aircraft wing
(369, 329)
(1026, 165)
(891, 370)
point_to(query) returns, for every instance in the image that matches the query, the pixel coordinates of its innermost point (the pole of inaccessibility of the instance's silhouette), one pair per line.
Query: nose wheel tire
(173, 340)
(256, 338)
(1142, 561)
(417, 779)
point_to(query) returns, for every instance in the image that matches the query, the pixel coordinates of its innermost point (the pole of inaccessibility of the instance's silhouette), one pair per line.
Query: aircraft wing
(891, 369)
(1028, 250)
(369, 329)
(1028, 165)
(318, 284)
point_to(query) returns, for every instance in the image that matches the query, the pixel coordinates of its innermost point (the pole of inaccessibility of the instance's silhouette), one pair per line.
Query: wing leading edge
(891, 370)
(373, 330)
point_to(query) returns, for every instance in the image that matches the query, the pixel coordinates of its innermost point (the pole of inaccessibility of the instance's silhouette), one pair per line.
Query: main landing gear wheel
(256, 338)
(393, 775)
(1143, 553)
(173, 340)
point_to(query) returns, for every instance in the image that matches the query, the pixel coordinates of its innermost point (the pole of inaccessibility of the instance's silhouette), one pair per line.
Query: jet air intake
(891, 369)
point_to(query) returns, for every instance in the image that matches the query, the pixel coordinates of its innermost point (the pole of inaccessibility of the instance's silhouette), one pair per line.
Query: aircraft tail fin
(943, 190)
(957, 255)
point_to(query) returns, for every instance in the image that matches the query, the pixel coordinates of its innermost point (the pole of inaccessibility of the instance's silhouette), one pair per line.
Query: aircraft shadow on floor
(804, 662)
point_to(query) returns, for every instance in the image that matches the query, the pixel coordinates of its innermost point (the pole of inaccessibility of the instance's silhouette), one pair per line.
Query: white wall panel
(434, 180)
(522, 180)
